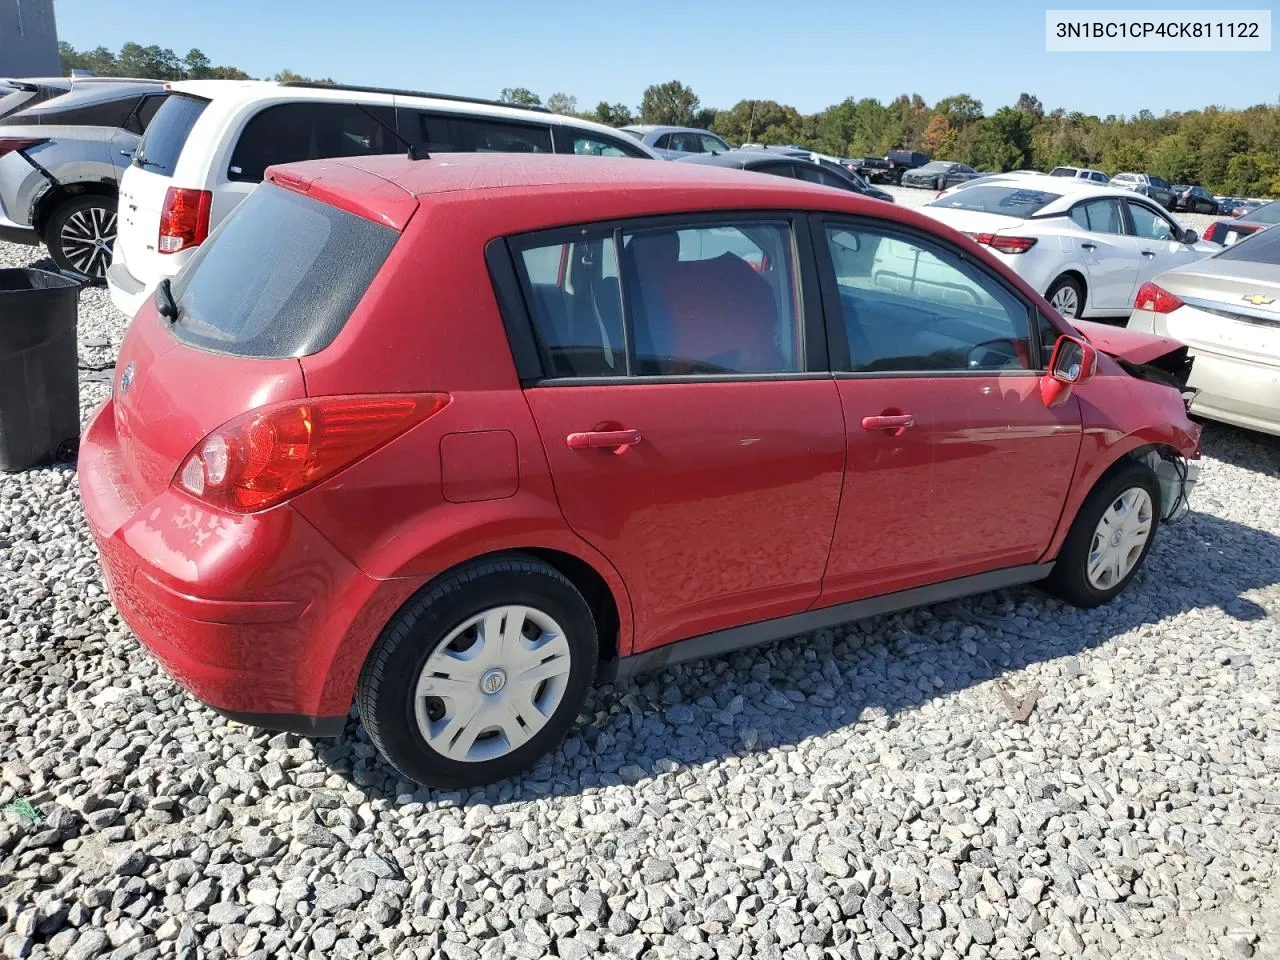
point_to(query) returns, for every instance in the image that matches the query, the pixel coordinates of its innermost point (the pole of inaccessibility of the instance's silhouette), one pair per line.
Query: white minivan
(209, 143)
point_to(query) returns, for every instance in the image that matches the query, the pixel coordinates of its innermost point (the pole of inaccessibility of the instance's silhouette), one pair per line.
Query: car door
(1099, 243)
(1157, 241)
(954, 464)
(692, 438)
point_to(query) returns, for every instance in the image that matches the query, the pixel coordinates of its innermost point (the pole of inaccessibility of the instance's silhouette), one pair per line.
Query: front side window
(666, 301)
(290, 132)
(1148, 224)
(712, 144)
(909, 306)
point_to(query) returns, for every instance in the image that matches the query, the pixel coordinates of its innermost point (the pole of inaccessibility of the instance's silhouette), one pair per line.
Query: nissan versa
(453, 438)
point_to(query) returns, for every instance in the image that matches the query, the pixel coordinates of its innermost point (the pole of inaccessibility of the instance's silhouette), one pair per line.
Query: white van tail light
(184, 219)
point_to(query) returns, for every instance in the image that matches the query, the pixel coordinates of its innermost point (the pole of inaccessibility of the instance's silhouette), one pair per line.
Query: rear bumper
(128, 293)
(257, 616)
(14, 232)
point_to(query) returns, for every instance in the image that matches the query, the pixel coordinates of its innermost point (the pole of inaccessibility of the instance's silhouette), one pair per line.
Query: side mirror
(1073, 362)
(1190, 236)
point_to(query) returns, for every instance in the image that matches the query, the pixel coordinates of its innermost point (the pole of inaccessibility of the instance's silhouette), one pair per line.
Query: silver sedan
(1226, 309)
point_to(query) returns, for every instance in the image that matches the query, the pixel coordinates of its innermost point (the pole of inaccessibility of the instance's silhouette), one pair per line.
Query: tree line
(1235, 152)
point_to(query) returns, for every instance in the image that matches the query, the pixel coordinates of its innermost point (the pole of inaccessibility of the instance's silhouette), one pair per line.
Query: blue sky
(807, 55)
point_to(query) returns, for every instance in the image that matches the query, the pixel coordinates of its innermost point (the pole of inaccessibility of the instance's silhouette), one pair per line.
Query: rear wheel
(481, 675)
(1067, 297)
(80, 235)
(1110, 538)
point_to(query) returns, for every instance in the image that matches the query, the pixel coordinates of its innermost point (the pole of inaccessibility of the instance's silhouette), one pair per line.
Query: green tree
(960, 110)
(196, 65)
(757, 121)
(615, 115)
(562, 103)
(1030, 105)
(1003, 141)
(521, 96)
(1172, 159)
(671, 102)
(1249, 174)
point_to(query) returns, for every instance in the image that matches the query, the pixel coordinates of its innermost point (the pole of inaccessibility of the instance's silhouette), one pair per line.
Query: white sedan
(1226, 309)
(1088, 249)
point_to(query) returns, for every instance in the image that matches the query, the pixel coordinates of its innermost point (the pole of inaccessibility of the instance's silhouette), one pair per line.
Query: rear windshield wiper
(165, 303)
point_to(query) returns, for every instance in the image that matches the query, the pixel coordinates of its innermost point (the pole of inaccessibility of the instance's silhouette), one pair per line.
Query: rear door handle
(617, 440)
(1088, 246)
(888, 423)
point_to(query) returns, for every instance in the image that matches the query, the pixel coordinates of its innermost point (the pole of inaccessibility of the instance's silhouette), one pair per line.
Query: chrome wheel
(1120, 538)
(492, 683)
(87, 239)
(1065, 301)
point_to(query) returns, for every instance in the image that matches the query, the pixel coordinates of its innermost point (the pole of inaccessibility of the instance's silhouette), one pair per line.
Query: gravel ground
(859, 792)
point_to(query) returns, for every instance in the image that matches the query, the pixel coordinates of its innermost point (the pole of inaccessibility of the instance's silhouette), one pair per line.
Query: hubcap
(87, 239)
(492, 683)
(1120, 537)
(1065, 302)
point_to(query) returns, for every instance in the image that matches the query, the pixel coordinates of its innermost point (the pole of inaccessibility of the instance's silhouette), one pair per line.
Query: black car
(796, 163)
(939, 174)
(1228, 232)
(1194, 199)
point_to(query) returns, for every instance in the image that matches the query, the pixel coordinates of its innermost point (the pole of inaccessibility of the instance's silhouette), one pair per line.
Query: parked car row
(665, 365)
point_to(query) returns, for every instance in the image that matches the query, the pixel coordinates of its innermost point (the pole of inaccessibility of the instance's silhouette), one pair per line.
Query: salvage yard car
(456, 437)
(1087, 248)
(1226, 308)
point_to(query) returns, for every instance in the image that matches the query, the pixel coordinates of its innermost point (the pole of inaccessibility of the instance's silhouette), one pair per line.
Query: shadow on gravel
(871, 671)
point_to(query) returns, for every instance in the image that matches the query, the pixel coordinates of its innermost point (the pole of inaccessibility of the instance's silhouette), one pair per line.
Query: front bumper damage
(1177, 476)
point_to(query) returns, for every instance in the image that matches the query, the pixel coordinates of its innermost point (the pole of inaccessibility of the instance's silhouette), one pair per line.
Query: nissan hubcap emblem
(493, 681)
(126, 379)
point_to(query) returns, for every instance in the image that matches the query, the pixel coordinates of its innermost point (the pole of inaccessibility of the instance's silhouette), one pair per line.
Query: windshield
(1007, 201)
(279, 277)
(1268, 213)
(1260, 247)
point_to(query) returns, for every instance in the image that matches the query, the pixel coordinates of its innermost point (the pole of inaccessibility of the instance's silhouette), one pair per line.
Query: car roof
(1069, 189)
(741, 159)
(661, 128)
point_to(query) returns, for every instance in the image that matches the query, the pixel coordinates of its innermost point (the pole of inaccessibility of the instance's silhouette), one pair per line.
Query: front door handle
(1149, 254)
(616, 440)
(1088, 246)
(888, 423)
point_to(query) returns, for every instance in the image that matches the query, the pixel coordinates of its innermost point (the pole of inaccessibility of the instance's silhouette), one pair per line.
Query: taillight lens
(275, 452)
(10, 144)
(184, 219)
(1211, 232)
(1004, 244)
(1156, 299)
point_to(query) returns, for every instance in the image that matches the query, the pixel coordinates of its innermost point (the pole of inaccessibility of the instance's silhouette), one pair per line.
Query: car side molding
(766, 631)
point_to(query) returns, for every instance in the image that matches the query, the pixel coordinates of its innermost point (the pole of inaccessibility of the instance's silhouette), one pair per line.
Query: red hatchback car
(455, 437)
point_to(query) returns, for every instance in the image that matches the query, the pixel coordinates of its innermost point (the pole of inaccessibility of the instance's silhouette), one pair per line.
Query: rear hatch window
(167, 135)
(1260, 247)
(1006, 201)
(279, 277)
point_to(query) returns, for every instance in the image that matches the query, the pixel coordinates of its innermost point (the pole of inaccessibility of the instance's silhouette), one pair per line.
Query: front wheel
(80, 235)
(1110, 538)
(1067, 297)
(480, 675)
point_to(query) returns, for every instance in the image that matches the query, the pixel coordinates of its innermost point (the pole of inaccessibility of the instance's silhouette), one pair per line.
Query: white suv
(1081, 173)
(211, 140)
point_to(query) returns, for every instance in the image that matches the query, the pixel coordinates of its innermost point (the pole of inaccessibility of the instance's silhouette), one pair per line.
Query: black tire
(386, 688)
(1068, 283)
(940, 183)
(1070, 577)
(80, 234)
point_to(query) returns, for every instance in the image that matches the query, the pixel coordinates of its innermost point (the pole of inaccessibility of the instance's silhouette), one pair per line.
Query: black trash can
(39, 368)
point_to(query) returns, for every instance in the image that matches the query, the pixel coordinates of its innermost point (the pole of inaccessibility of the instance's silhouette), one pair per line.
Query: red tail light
(997, 241)
(273, 453)
(1211, 232)
(184, 219)
(10, 144)
(1157, 299)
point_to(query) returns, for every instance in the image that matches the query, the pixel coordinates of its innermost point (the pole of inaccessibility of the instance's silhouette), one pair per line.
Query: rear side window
(1260, 247)
(666, 301)
(290, 132)
(167, 134)
(77, 110)
(279, 277)
(1099, 216)
(587, 145)
(444, 133)
(144, 113)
